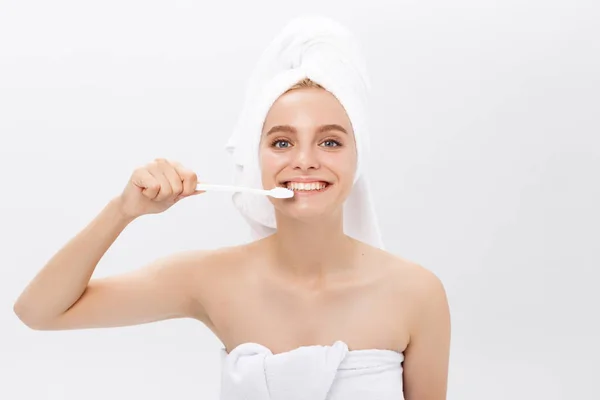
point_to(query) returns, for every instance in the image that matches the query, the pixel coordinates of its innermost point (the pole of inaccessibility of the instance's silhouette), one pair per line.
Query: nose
(305, 158)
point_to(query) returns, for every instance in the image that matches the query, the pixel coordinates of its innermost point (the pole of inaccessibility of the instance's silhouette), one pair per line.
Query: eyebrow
(321, 129)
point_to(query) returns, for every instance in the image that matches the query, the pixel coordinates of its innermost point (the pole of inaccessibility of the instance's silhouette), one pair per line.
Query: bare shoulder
(425, 292)
(415, 279)
(212, 261)
(188, 274)
(415, 288)
(425, 284)
(211, 269)
(206, 268)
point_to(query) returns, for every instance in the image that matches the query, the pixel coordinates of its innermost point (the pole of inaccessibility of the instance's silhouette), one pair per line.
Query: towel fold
(324, 51)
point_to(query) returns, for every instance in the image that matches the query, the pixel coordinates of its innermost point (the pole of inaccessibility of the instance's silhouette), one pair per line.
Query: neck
(312, 249)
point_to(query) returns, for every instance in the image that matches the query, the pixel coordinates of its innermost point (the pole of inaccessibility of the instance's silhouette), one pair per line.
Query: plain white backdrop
(486, 118)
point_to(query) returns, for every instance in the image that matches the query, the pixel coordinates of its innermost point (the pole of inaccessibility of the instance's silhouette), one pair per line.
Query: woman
(305, 312)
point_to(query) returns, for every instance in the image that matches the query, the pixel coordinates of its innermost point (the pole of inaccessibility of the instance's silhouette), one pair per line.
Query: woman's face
(307, 145)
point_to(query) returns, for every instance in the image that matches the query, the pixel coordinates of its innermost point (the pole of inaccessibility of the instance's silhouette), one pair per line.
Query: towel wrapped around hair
(326, 52)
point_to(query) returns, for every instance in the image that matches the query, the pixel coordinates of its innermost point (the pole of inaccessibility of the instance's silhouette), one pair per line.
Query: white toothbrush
(278, 192)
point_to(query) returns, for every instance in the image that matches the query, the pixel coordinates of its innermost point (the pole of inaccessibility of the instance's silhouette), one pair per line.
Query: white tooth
(306, 186)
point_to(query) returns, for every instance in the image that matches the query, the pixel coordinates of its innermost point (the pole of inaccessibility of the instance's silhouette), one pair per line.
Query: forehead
(306, 108)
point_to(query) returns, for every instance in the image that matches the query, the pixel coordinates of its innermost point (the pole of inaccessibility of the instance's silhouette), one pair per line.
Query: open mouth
(306, 187)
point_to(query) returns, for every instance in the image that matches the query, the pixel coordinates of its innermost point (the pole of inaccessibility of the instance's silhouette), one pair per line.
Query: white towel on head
(325, 51)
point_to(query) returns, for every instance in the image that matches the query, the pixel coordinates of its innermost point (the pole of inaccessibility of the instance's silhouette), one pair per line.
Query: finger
(173, 177)
(165, 190)
(188, 177)
(148, 185)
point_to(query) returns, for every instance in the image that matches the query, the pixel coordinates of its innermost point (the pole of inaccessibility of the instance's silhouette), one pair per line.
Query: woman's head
(307, 144)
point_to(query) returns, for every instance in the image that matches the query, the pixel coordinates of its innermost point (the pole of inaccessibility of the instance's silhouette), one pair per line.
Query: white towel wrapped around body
(324, 51)
(252, 372)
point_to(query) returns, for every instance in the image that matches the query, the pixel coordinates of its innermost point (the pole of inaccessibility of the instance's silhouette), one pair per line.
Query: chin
(310, 207)
(305, 216)
(308, 212)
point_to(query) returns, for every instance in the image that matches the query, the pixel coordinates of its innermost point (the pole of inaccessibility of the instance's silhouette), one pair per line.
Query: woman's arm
(61, 296)
(428, 352)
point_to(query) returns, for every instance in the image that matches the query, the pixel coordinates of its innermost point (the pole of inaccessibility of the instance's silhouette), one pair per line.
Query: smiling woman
(314, 308)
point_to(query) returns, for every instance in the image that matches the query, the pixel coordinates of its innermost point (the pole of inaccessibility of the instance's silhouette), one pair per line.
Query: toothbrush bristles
(282, 193)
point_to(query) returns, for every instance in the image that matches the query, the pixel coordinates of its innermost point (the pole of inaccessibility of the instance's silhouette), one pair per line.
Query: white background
(486, 123)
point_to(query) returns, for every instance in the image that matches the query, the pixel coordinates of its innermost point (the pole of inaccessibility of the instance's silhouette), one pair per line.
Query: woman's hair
(305, 83)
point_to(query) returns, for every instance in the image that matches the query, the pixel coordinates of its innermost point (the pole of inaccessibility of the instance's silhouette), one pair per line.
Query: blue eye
(331, 143)
(280, 144)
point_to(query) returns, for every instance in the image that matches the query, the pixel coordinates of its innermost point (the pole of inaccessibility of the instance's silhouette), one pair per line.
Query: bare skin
(254, 302)
(307, 284)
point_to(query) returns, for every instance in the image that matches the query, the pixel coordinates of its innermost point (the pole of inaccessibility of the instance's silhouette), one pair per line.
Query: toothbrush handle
(227, 188)
(206, 186)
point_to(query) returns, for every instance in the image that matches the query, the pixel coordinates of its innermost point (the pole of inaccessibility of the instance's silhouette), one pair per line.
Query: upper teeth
(306, 186)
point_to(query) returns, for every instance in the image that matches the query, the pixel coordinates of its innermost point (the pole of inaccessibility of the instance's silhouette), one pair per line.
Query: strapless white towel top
(252, 372)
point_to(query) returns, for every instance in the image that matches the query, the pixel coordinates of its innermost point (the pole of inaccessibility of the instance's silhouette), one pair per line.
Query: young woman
(307, 312)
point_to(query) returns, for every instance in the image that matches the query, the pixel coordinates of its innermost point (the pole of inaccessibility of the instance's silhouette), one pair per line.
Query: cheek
(270, 163)
(343, 164)
(269, 160)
